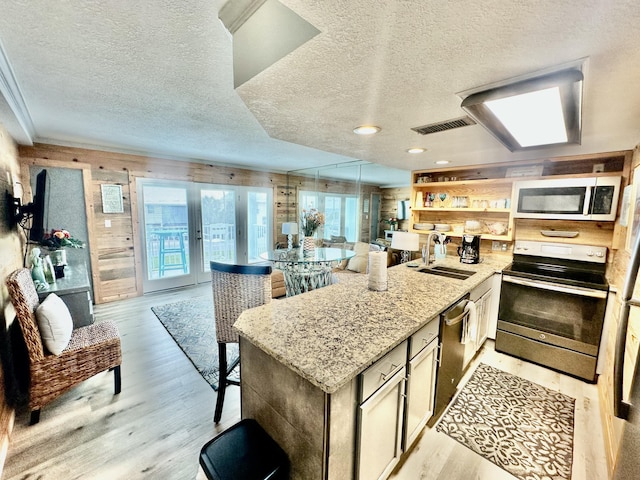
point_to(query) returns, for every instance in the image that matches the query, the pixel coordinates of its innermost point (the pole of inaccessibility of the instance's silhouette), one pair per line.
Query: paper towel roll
(378, 271)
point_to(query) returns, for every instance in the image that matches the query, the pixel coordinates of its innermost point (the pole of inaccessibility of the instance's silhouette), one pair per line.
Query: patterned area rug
(522, 427)
(192, 326)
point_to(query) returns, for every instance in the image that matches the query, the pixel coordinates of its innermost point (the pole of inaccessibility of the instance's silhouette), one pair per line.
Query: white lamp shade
(405, 241)
(290, 228)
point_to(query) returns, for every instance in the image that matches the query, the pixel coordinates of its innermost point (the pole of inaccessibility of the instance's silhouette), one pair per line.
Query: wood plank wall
(613, 427)
(389, 207)
(11, 245)
(116, 252)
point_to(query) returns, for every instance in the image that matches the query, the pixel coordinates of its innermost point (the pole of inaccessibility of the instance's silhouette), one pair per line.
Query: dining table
(306, 270)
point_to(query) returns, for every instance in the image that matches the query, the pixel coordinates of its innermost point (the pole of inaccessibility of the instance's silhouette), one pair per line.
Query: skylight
(531, 111)
(533, 118)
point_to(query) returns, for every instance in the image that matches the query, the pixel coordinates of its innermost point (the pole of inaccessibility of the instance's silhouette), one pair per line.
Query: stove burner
(558, 274)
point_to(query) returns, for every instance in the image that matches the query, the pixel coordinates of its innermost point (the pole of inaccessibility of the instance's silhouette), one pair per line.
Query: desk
(306, 272)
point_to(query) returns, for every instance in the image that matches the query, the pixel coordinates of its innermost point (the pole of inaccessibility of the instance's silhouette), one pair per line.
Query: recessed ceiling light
(366, 130)
(442, 162)
(417, 150)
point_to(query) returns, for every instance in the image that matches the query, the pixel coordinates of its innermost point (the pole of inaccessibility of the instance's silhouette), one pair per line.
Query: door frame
(198, 273)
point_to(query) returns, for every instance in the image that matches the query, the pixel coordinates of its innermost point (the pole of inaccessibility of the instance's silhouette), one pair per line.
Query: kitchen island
(302, 356)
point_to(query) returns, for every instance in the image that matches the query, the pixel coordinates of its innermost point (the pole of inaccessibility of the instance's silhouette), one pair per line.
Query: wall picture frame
(112, 198)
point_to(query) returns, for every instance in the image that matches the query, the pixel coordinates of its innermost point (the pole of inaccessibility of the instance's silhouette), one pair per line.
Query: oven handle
(555, 287)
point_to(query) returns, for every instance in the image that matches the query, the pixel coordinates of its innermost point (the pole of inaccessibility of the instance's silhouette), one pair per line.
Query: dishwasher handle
(457, 318)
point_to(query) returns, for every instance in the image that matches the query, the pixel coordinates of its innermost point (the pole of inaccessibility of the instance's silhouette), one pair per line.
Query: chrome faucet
(426, 255)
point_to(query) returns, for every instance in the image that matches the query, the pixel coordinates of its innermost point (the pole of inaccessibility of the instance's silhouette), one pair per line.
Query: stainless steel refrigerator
(628, 465)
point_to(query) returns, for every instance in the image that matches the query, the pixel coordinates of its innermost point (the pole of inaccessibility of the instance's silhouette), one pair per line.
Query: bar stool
(236, 288)
(244, 451)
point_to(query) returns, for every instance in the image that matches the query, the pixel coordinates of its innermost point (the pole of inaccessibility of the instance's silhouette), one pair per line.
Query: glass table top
(320, 254)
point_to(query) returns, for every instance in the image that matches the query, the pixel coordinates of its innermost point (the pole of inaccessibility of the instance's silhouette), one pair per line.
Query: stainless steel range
(552, 306)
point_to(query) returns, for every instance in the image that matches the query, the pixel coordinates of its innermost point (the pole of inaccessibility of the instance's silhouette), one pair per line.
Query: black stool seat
(244, 451)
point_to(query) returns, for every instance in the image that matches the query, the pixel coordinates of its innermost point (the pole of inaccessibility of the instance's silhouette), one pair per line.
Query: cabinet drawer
(377, 374)
(422, 337)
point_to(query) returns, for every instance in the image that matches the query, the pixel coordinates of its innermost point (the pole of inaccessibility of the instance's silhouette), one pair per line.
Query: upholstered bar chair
(91, 349)
(236, 288)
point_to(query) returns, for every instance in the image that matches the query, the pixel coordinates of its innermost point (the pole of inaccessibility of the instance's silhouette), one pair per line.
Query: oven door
(556, 314)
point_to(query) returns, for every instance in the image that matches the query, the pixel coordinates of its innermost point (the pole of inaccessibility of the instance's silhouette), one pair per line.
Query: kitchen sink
(448, 272)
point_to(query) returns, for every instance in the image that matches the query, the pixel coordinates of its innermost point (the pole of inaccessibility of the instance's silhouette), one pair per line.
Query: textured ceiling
(156, 77)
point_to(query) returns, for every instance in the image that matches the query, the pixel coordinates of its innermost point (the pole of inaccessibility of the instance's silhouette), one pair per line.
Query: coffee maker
(469, 249)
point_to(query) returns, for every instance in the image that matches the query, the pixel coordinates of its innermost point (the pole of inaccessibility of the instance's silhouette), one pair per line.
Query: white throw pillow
(360, 262)
(55, 323)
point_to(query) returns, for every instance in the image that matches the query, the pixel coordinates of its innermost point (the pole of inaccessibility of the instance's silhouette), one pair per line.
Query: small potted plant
(310, 221)
(56, 241)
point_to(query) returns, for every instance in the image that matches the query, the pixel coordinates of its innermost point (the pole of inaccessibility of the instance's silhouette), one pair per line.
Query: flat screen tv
(38, 208)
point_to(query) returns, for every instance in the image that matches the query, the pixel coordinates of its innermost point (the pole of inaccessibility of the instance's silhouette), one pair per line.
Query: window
(341, 213)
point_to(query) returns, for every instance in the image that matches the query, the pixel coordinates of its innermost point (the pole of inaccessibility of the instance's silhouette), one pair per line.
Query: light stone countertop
(330, 335)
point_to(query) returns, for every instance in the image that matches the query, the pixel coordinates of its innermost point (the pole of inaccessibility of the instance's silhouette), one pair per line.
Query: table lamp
(290, 229)
(407, 242)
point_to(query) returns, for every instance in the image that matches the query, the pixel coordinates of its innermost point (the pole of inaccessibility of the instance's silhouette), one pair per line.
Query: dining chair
(236, 288)
(88, 350)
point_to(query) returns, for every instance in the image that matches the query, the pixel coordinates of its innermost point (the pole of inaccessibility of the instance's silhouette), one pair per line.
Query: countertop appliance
(592, 198)
(628, 464)
(451, 360)
(552, 306)
(469, 249)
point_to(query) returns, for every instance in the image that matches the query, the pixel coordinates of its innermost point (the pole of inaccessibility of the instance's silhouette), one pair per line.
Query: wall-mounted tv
(38, 208)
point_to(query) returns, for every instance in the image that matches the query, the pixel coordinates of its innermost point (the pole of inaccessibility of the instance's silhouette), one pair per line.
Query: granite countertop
(330, 335)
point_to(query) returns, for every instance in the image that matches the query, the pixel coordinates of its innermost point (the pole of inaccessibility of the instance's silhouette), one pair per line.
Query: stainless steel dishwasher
(451, 355)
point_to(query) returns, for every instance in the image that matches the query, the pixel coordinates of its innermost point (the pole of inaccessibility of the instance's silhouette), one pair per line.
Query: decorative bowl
(496, 228)
(472, 226)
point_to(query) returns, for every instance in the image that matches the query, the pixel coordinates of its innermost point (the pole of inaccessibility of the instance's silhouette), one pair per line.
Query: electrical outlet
(598, 168)
(495, 245)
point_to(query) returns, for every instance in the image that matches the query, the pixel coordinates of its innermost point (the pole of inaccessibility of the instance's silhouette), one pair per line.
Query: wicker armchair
(235, 288)
(91, 350)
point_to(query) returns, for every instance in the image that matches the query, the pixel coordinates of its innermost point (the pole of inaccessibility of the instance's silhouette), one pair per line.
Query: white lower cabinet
(421, 388)
(421, 380)
(390, 420)
(380, 416)
(381, 429)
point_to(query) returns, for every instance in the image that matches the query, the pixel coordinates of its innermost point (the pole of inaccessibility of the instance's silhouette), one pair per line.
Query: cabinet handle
(426, 340)
(385, 375)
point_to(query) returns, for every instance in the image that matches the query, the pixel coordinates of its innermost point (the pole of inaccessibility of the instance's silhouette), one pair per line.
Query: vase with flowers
(56, 241)
(310, 221)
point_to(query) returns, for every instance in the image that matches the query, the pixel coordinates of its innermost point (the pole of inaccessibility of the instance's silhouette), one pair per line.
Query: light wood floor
(155, 428)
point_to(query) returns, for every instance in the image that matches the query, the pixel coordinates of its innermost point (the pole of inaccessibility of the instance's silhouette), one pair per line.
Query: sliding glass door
(186, 225)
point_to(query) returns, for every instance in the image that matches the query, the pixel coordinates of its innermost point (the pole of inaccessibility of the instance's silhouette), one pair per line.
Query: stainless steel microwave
(592, 198)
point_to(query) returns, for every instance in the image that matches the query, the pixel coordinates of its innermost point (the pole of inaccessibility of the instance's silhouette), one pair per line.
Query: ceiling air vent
(442, 126)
